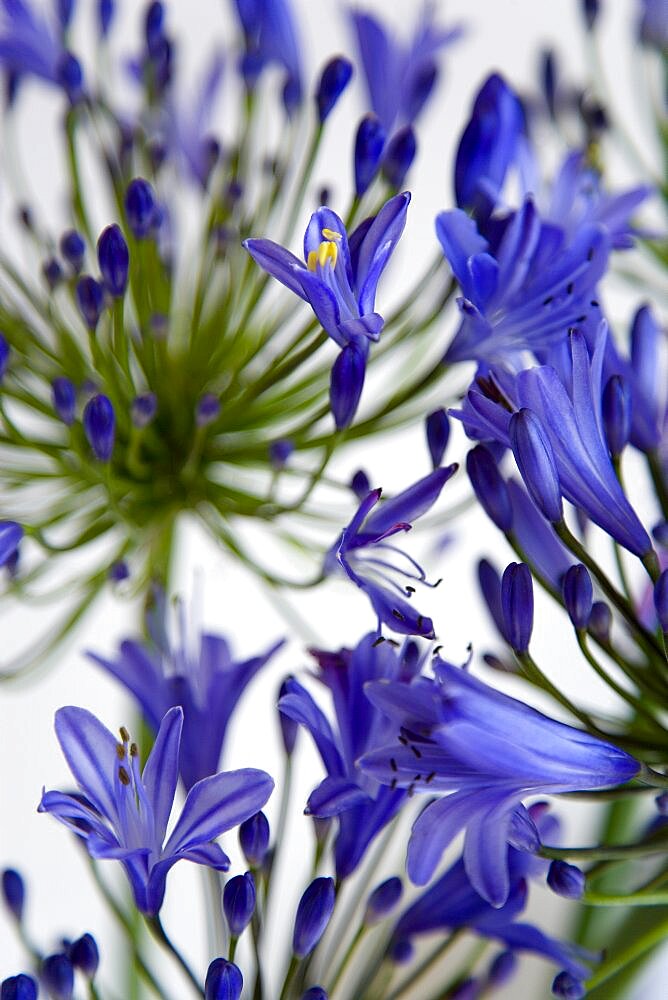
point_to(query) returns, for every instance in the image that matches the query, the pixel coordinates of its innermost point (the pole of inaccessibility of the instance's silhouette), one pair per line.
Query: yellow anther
(330, 234)
(326, 252)
(312, 261)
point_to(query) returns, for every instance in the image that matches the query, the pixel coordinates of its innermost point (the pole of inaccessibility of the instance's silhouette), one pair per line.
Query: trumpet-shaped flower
(361, 806)
(123, 813)
(207, 684)
(488, 751)
(373, 564)
(339, 279)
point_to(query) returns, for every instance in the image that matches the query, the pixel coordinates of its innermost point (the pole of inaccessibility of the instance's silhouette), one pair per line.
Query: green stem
(361, 931)
(155, 926)
(623, 958)
(289, 977)
(427, 963)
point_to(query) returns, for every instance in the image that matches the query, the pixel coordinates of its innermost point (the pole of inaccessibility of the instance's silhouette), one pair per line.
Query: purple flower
(488, 751)
(373, 564)
(206, 682)
(339, 280)
(123, 813)
(31, 46)
(362, 807)
(400, 77)
(271, 38)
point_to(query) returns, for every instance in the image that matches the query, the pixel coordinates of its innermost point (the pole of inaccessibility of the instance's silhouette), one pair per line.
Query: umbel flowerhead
(122, 812)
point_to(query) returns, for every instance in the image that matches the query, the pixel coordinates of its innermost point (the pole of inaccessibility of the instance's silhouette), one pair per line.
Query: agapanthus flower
(374, 565)
(489, 752)
(361, 806)
(566, 408)
(31, 46)
(123, 813)
(271, 37)
(204, 679)
(339, 279)
(400, 76)
(451, 904)
(524, 291)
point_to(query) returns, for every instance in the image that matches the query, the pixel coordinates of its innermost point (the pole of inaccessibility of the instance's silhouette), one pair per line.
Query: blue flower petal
(161, 771)
(90, 751)
(277, 261)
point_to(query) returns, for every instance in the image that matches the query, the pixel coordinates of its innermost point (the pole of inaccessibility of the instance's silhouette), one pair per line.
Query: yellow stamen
(330, 234)
(326, 252)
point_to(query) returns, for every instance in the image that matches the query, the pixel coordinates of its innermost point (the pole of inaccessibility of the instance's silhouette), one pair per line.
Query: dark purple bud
(590, 12)
(223, 981)
(53, 272)
(517, 605)
(99, 422)
(254, 839)
(159, 326)
(140, 207)
(346, 384)
(566, 880)
(292, 94)
(207, 410)
(502, 969)
(58, 976)
(401, 952)
(84, 955)
(360, 484)
(119, 571)
(73, 249)
(13, 892)
(399, 156)
(502, 666)
(154, 27)
(616, 407)
(315, 993)
(334, 79)
(548, 78)
(105, 15)
(64, 397)
(144, 409)
(578, 595)
(490, 487)
(490, 587)
(437, 426)
(114, 260)
(64, 11)
(239, 902)
(661, 600)
(313, 913)
(567, 987)
(535, 460)
(289, 728)
(383, 899)
(4, 356)
(11, 534)
(369, 145)
(90, 300)
(70, 77)
(660, 534)
(19, 987)
(600, 621)
(280, 451)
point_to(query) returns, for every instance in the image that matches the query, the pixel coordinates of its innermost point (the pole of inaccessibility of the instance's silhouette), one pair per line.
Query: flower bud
(207, 410)
(401, 952)
(254, 839)
(548, 78)
(490, 587)
(399, 156)
(567, 987)
(154, 26)
(99, 422)
(437, 426)
(84, 955)
(64, 398)
(360, 484)
(223, 981)
(19, 987)
(346, 384)
(502, 969)
(315, 993)
(53, 272)
(70, 77)
(467, 989)
(119, 571)
(4, 356)
(590, 12)
(578, 595)
(11, 534)
(144, 409)
(90, 300)
(313, 914)
(239, 902)
(600, 621)
(535, 460)
(73, 249)
(140, 207)
(105, 15)
(369, 145)
(289, 728)
(383, 899)
(660, 533)
(13, 892)
(490, 487)
(280, 451)
(517, 605)
(661, 600)
(114, 260)
(334, 79)
(616, 410)
(58, 976)
(566, 880)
